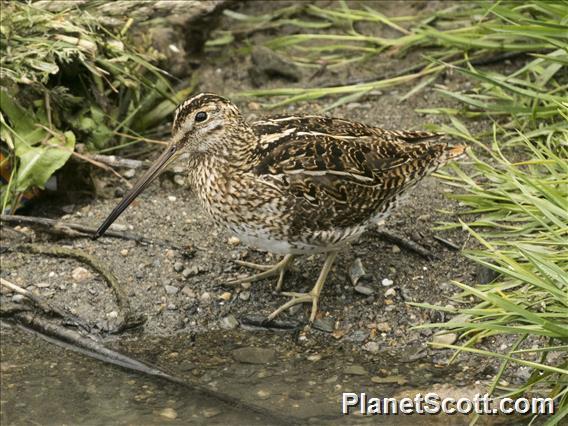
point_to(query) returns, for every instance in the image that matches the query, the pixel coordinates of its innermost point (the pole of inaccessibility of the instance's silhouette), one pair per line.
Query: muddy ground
(196, 326)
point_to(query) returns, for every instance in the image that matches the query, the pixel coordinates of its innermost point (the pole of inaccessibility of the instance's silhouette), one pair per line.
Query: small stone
(118, 227)
(172, 307)
(395, 249)
(246, 285)
(372, 347)
(179, 180)
(170, 254)
(211, 412)
(314, 357)
(52, 274)
(386, 282)
(444, 339)
(169, 413)
(178, 266)
(390, 379)
(356, 271)
(383, 327)
(172, 198)
(42, 285)
(129, 174)
(170, 289)
(190, 272)
(355, 370)
(18, 298)
(188, 291)
(226, 296)
(263, 394)
(253, 355)
(124, 252)
(364, 290)
(391, 292)
(80, 274)
(244, 295)
(205, 297)
(358, 336)
(229, 322)
(112, 315)
(332, 379)
(233, 241)
(325, 324)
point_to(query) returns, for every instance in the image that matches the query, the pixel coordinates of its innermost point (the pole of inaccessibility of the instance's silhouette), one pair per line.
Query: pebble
(364, 290)
(355, 370)
(52, 274)
(226, 296)
(244, 295)
(190, 272)
(386, 282)
(170, 254)
(211, 412)
(118, 227)
(179, 180)
(372, 347)
(18, 298)
(129, 174)
(390, 379)
(384, 327)
(233, 241)
(42, 285)
(253, 355)
(188, 291)
(356, 271)
(112, 314)
(170, 289)
(205, 297)
(314, 358)
(325, 324)
(124, 252)
(263, 394)
(169, 413)
(358, 336)
(445, 339)
(229, 322)
(178, 266)
(172, 198)
(390, 292)
(395, 249)
(172, 307)
(246, 285)
(80, 274)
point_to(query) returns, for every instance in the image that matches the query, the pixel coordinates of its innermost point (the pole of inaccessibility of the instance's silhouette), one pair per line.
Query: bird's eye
(200, 116)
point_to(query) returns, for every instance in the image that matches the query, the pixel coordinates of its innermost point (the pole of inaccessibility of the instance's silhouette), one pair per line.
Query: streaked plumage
(298, 184)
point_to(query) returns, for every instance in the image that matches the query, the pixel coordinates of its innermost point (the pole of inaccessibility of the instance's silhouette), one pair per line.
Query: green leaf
(38, 163)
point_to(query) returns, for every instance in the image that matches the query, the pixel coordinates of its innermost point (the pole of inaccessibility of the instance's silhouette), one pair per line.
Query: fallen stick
(404, 243)
(76, 230)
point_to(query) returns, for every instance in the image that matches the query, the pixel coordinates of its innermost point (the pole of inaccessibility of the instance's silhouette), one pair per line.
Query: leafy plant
(66, 79)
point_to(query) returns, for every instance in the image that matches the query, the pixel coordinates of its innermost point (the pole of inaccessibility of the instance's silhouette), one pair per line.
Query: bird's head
(203, 124)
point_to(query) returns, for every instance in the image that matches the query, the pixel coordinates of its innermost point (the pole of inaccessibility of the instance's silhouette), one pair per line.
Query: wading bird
(293, 185)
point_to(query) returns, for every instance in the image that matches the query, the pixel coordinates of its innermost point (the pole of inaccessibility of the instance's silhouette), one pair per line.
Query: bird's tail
(453, 153)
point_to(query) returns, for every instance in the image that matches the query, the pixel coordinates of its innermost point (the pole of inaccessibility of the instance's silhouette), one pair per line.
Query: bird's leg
(268, 271)
(312, 296)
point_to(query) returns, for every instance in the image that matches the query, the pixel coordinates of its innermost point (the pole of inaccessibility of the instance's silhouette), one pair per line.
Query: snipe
(293, 185)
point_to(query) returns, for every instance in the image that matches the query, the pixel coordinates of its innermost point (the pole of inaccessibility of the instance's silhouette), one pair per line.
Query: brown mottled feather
(305, 183)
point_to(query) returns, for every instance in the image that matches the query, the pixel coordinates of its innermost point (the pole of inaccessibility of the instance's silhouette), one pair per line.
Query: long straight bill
(142, 183)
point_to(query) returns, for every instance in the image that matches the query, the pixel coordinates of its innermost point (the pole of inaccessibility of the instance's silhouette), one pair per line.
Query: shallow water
(43, 383)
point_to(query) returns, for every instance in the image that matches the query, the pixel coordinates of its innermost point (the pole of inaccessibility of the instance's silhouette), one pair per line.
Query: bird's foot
(267, 271)
(297, 298)
(312, 296)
